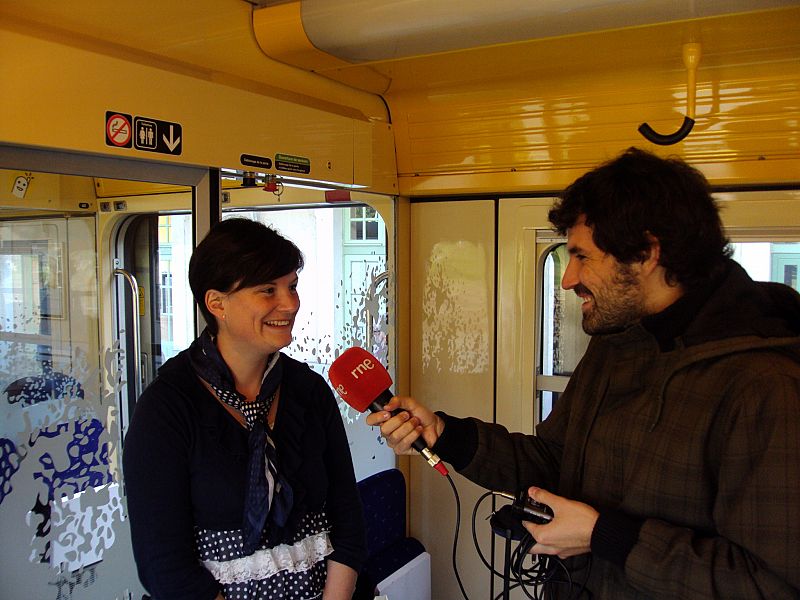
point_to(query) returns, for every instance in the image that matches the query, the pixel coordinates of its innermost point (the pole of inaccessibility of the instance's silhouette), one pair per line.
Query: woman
(239, 479)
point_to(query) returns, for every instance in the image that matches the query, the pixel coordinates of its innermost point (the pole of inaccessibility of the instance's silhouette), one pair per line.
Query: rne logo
(362, 367)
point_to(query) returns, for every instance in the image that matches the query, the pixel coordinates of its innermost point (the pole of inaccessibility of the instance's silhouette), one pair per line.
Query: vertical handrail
(134, 286)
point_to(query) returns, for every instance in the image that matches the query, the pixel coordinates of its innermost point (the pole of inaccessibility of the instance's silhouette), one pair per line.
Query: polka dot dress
(291, 571)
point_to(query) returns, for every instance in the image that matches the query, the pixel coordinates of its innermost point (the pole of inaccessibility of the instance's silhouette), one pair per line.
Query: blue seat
(384, 498)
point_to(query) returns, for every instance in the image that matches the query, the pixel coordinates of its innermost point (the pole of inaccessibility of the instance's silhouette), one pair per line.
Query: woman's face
(260, 318)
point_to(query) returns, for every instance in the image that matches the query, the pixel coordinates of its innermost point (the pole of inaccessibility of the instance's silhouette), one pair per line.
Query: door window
(61, 504)
(343, 287)
(344, 293)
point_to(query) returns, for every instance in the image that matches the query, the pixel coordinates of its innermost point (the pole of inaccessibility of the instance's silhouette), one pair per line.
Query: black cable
(475, 536)
(541, 576)
(545, 571)
(455, 538)
(541, 571)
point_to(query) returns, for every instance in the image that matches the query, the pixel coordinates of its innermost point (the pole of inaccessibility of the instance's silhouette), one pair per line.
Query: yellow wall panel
(452, 361)
(64, 93)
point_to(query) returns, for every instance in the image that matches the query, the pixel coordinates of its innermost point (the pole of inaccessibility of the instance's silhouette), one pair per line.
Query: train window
(37, 294)
(344, 296)
(563, 340)
(173, 312)
(30, 282)
(365, 224)
(769, 261)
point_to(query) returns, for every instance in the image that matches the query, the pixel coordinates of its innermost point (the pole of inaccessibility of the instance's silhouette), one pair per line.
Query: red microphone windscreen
(359, 378)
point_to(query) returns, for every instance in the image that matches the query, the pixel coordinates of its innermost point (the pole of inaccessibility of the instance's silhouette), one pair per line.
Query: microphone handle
(381, 401)
(419, 444)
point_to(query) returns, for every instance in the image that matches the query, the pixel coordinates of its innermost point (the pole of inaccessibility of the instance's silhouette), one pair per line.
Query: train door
(153, 307)
(539, 335)
(62, 510)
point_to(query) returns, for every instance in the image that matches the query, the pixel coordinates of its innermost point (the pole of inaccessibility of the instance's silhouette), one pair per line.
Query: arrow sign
(172, 142)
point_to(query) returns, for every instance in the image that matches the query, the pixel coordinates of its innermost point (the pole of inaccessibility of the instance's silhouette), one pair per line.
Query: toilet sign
(153, 135)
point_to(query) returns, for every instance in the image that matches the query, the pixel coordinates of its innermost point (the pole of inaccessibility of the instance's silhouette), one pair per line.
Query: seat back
(383, 496)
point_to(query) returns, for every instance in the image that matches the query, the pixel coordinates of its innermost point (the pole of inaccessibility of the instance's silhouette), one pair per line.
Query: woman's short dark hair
(239, 253)
(639, 193)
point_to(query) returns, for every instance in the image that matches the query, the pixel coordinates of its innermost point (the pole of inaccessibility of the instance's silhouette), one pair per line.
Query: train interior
(410, 149)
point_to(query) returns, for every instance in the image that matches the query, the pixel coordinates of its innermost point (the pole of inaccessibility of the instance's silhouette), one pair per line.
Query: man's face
(611, 291)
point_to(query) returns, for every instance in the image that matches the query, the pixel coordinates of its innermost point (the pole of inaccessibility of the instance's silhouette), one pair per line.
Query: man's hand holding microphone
(412, 420)
(409, 427)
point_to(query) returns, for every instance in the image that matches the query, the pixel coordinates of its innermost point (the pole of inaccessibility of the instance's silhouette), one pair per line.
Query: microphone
(363, 382)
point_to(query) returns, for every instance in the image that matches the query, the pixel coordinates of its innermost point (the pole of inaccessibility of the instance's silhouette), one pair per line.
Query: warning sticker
(294, 164)
(118, 129)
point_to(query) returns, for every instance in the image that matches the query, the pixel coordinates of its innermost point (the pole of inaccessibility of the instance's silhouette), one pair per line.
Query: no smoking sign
(118, 130)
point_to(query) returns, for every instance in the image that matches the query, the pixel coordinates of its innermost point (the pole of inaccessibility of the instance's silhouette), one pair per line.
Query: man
(672, 459)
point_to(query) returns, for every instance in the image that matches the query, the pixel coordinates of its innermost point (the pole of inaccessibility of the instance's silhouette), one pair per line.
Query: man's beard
(618, 305)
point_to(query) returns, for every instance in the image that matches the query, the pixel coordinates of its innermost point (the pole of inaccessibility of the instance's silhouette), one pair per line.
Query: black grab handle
(667, 140)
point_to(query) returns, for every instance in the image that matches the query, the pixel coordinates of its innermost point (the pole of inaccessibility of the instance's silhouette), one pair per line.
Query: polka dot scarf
(267, 492)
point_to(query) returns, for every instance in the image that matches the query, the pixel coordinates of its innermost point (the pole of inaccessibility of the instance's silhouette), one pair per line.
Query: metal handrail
(132, 283)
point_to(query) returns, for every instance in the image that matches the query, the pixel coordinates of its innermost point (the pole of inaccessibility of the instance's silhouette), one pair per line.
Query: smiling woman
(241, 447)
(255, 322)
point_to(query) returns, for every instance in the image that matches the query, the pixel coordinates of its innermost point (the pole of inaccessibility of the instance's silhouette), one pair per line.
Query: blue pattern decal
(88, 460)
(9, 464)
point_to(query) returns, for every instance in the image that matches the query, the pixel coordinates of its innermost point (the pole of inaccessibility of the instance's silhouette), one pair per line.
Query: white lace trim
(263, 564)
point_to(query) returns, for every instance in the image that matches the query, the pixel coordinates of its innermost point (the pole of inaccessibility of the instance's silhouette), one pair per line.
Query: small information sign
(294, 164)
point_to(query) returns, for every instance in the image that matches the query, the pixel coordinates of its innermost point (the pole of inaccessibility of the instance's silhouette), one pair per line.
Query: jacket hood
(740, 307)
(738, 314)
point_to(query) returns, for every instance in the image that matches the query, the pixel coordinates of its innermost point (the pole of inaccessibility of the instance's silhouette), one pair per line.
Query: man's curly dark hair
(639, 193)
